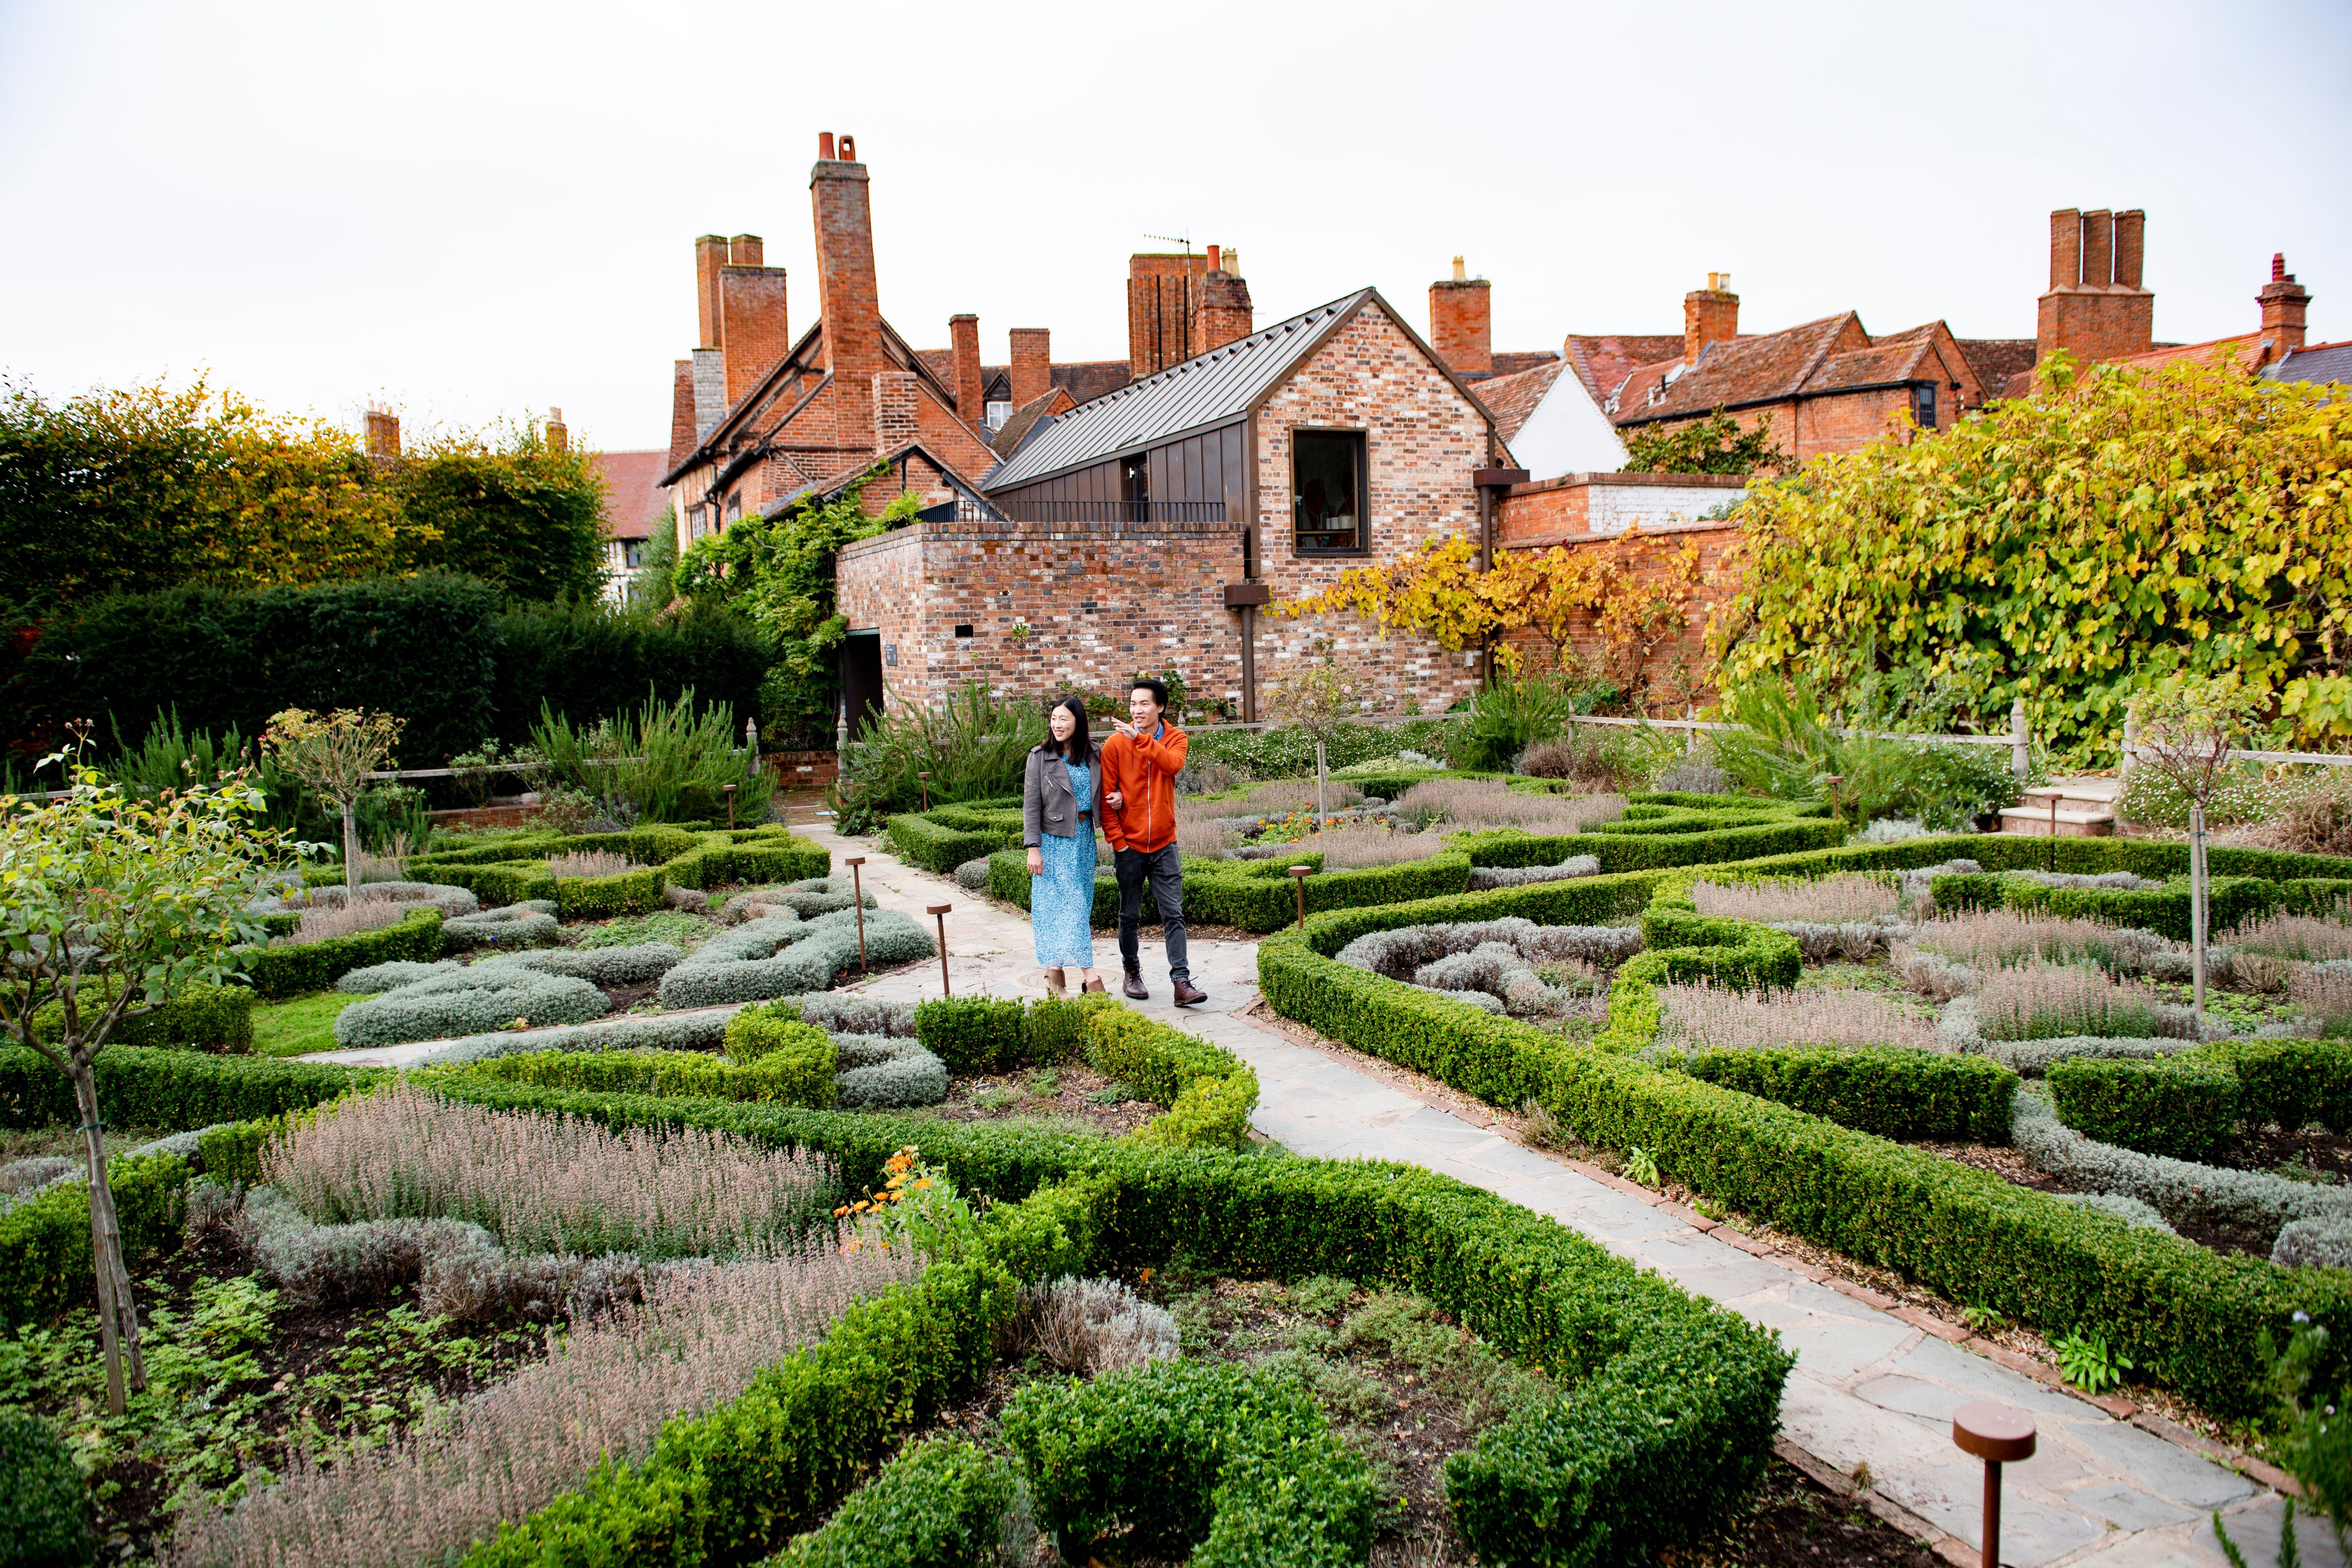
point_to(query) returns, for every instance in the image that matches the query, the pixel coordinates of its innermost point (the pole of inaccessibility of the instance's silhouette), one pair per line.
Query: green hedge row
(2190, 1106)
(515, 869)
(946, 838)
(2231, 901)
(2189, 1317)
(1256, 895)
(1208, 1092)
(992, 1034)
(1900, 1094)
(46, 1264)
(779, 1077)
(939, 1501)
(177, 1091)
(203, 1017)
(278, 972)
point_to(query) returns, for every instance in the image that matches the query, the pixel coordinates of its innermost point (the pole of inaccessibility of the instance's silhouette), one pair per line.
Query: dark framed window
(1327, 493)
(1923, 406)
(695, 526)
(632, 554)
(1135, 485)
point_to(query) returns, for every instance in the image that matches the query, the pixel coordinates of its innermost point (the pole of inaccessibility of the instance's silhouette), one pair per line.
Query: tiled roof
(2000, 361)
(1517, 362)
(1602, 362)
(1766, 367)
(1512, 398)
(2320, 362)
(2245, 347)
(634, 500)
(1024, 419)
(1085, 379)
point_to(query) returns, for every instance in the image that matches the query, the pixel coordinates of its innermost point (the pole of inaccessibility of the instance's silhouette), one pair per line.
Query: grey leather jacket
(1048, 802)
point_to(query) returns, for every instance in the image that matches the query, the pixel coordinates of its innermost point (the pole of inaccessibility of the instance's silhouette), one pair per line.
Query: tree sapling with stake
(333, 756)
(2183, 726)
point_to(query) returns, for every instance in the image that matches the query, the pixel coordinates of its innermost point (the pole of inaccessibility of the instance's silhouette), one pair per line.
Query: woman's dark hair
(1080, 750)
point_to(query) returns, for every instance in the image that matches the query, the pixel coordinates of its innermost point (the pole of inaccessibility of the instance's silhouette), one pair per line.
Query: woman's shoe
(1057, 985)
(1096, 985)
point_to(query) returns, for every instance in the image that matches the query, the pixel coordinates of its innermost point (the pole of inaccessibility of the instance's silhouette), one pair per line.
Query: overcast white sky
(483, 209)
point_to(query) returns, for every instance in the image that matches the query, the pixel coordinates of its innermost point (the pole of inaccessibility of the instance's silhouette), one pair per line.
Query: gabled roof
(1511, 398)
(1030, 417)
(1999, 360)
(806, 358)
(1760, 369)
(1602, 362)
(634, 499)
(1085, 379)
(827, 489)
(1202, 393)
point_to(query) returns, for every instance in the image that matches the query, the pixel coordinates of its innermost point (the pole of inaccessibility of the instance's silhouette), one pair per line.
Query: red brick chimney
(2285, 304)
(845, 290)
(1711, 315)
(2096, 308)
(684, 433)
(556, 433)
(1163, 305)
(964, 379)
(754, 331)
(1226, 312)
(1033, 363)
(382, 435)
(897, 409)
(1461, 328)
(710, 256)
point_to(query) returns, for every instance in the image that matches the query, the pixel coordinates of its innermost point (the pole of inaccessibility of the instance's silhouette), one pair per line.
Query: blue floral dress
(1062, 899)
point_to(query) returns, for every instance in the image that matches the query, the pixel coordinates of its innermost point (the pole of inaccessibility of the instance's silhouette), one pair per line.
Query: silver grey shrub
(1890, 830)
(2313, 1244)
(1693, 778)
(2039, 1000)
(856, 1014)
(2117, 881)
(1853, 941)
(451, 901)
(600, 1397)
(1485, 876)
(773, 957)
(631, 965)
(547, 1183)
(2249, 1204)
(467, 1001)
(914, 1077)
(1397, 953)
(1932, 974)
(391, 976)
(641, 1031)
(972, 874)
(1993, 939)
(2131, 1211)
(1849, 896)
(1918, 885)
(1092, 1326)
(517, 925)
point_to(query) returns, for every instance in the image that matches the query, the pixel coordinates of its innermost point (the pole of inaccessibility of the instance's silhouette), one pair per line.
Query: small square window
(998, 413)
(963, 631)
(1327, 470)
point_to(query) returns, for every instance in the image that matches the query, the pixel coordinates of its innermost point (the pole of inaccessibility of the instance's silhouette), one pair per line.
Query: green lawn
(305, 1024)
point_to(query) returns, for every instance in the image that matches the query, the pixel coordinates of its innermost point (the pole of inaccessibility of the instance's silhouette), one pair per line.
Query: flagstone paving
(1872, 1393)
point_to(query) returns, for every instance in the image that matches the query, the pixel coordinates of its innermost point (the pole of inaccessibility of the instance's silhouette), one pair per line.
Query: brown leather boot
(1057, 984)
(1135, 989)
(1095, 987)
(1187, 994)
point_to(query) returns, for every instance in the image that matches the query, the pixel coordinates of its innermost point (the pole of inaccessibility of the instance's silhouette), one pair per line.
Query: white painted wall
(1568, 434)
(1613, 508)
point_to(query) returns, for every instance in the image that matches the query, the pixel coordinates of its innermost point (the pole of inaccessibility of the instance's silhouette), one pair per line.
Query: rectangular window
(634, 554)
(1326, 475)
(1135, 485)
(998, 413)
(1923, 406)
(735, 507)
(694, 522)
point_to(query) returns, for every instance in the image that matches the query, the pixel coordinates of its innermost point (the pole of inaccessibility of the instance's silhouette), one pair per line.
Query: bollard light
(1999, 1435)
(858, 881)
(1298, 875)
(927, 790)
(731, 808)
(941, 910)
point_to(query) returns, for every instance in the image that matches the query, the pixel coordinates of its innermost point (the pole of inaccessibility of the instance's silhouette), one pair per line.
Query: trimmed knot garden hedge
(515, 870)
(1801, 1139)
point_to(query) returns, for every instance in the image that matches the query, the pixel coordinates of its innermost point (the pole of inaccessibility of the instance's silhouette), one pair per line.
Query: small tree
(2184, 725)
(110, 905)
(1714, 445)
(333, 756)
(1317, 696)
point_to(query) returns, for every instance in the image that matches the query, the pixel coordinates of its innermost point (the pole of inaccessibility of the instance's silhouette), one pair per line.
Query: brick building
(1141, 529)
(760, 420)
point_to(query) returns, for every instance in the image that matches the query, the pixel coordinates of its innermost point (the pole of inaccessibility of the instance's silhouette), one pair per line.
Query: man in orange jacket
(1139, 766)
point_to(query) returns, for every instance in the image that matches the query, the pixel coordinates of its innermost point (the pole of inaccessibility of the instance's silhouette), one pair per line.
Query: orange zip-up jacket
(1141, 770)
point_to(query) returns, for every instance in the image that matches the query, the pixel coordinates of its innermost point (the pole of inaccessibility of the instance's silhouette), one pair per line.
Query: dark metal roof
(1210, 389)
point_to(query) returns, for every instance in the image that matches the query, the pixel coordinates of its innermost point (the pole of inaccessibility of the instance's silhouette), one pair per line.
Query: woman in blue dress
(1058, 824)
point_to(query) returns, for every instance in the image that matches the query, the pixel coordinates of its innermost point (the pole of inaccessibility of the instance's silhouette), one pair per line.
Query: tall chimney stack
(1033, 363)
(2096, 308)
(1460, 327)
(846, 287)
(1711, 315)
(557, 433)
(709, 258)
(963, 334)
(754, 330)
(2285, 305)
(1226, 313)
(382, 435)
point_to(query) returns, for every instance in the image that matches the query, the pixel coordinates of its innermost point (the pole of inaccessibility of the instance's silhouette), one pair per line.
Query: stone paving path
(1871, 1399)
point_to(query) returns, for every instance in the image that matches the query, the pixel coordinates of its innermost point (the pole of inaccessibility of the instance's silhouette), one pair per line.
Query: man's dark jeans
(1167, 876)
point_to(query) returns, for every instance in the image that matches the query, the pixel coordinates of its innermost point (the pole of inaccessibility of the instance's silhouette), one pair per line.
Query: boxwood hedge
(2231, 901)
(300, 968)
